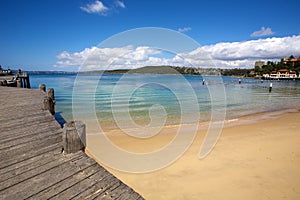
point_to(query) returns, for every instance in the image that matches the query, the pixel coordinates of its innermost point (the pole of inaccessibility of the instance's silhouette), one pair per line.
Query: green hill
(154, 70)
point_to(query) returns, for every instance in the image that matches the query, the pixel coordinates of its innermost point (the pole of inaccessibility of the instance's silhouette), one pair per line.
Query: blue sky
(37, 35)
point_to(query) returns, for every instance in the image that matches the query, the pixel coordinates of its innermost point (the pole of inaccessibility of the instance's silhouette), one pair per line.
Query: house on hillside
(292, 61)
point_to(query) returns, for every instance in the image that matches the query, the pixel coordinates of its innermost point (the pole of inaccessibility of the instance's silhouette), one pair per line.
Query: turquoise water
(171, 99)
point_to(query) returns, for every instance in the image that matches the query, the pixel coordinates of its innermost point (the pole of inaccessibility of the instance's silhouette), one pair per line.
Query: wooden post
(27, 82)
(4, 83)
(22, 82)
(49, 101)
(42, 87)
(19, 83)
(74, 137)
(46, 103)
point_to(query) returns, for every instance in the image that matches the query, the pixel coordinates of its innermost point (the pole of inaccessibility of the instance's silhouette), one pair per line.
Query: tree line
(274, 66)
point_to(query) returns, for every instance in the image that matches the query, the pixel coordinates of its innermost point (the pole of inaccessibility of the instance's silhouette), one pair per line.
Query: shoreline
(251, 118)
(256, 156)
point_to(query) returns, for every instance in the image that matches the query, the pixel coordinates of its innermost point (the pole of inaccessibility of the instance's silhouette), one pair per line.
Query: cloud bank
(221, 55)
(262, 32)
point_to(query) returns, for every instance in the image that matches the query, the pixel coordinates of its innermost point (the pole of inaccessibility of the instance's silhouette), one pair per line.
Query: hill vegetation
(154, 70)
(290, 63)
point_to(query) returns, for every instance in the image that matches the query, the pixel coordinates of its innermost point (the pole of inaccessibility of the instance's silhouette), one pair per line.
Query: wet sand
(256, 157)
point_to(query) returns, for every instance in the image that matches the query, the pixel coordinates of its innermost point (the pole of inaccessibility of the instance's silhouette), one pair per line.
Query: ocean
(139, 100)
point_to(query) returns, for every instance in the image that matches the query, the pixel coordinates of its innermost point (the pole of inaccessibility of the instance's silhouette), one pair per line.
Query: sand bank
(256, 157)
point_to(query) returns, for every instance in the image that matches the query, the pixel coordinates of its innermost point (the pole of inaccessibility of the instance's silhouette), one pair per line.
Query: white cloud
(185, 29)
(243, 54)
(96, 7)
(108, 58)
(120, 4)
(269, 48)
(99, 8)
(222, 55)
(262, 32)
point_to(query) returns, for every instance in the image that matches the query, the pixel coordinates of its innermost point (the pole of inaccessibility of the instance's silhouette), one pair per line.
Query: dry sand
(258, 160)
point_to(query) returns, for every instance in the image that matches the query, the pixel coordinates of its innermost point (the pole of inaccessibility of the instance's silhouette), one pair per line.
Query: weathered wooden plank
(27, 131)
(44, 127)
(30, 146)
(121, 192)
(82, 189)
(27, 122)
(108, 192)
(129, 194)
(13, 105)
(18, 139)
(16, 102)
(29, 110)
(28, 164)
(24, 166)
(32, 110)
(12, 130)
(16, 125)
(28, 155)
(35, 180)
(98, 188)
(67, 183)
(34, 137)
(53, 176)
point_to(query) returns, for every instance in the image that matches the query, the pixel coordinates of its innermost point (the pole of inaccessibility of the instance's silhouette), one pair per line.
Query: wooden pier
(32, 165)
(20, 80)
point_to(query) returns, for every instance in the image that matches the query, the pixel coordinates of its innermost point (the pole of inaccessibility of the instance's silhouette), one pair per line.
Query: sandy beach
(256, 157)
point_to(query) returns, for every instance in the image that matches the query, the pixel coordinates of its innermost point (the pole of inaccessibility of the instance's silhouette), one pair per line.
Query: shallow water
(154, 100)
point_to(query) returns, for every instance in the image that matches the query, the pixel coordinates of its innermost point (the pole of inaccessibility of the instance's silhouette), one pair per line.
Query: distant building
(282, 73)
(259, 64)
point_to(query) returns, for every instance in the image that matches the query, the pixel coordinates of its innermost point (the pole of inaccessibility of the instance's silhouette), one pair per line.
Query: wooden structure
(74, 137)
(19, 80)
(23, 80)
(49, 100)
(32, 165)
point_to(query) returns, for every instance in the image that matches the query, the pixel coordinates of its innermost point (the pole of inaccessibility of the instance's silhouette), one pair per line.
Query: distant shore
(168, 70)
(152, 70)
(256, 157)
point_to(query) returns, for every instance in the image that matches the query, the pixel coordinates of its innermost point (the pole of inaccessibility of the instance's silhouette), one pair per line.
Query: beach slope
(250, 161)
